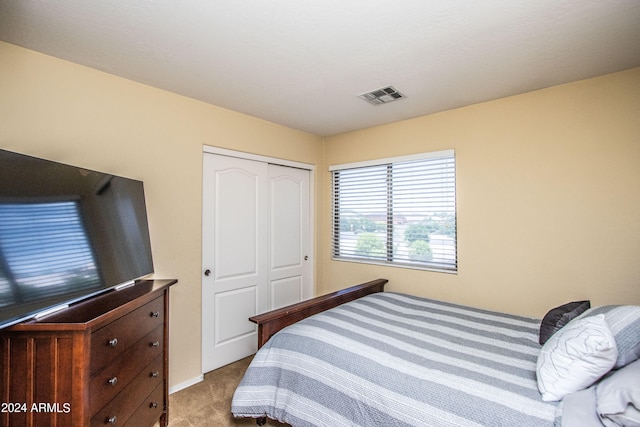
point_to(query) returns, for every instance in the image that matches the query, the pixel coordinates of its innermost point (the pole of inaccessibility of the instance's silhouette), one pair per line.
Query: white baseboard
(186, 384)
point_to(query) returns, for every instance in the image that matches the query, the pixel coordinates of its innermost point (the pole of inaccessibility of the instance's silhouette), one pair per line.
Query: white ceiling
(302, 63)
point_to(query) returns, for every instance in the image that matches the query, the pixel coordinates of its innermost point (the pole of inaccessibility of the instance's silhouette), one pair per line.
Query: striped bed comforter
(390, 359)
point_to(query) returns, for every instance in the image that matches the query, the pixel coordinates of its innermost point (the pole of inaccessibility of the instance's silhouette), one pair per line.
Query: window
(399, 211)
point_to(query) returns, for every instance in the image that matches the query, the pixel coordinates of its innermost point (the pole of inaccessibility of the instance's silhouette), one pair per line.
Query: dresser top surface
(97, 310)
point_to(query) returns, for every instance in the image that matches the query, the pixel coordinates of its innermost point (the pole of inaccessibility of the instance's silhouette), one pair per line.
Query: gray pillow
(579, 409)
(557, 317)
(624, 322)
(618, 397)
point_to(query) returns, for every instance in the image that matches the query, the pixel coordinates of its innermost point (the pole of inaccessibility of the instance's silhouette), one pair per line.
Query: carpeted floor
(208, 403)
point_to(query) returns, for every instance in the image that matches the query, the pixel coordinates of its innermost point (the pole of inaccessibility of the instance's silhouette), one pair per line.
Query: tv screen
(66, 233)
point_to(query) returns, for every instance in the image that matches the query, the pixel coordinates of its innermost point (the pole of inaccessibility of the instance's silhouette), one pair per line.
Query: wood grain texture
(65, 361)
(272, 321)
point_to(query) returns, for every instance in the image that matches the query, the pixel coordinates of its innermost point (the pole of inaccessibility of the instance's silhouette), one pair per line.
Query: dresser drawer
(132, 397)
(114, 339)
(149, 412)
(109, 381)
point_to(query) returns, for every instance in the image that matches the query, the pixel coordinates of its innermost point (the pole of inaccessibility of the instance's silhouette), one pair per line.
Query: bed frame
(271, 322)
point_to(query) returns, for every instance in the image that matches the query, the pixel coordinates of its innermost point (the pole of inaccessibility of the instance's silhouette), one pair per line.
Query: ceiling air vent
(382, 95)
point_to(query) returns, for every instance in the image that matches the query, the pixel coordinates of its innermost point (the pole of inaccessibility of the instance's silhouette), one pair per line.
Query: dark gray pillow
(557, 317)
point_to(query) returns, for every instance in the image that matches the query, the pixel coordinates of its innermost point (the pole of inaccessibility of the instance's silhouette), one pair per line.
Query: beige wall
(548, 188)
(61, 111)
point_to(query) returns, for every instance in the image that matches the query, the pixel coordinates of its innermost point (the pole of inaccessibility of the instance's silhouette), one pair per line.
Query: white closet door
(255, 249)
(289, 276)
(235, 248)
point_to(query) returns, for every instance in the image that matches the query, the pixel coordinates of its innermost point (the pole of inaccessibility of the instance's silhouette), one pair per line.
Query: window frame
(391, 258)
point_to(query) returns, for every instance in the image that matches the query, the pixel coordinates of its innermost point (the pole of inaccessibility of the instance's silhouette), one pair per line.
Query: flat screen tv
(66, 233)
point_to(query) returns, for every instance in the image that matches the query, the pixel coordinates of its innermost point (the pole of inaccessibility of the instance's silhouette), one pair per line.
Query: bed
(390, 359)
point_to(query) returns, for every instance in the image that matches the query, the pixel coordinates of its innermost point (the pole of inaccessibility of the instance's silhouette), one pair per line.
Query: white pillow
(575, 357)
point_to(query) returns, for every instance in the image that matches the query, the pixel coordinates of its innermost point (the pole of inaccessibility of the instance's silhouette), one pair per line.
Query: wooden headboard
(272, 321)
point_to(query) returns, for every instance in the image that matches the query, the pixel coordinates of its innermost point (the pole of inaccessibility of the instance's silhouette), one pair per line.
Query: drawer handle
(113, 381)
(111, 420)
(154, 374)
(153, 405)
(113, 342)
(154, 314)
(155, 344)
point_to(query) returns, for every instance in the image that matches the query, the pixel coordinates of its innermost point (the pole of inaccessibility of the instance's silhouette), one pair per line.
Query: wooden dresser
(100, 362)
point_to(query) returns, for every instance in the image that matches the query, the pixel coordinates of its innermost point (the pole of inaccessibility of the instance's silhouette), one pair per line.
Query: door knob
(207, 272)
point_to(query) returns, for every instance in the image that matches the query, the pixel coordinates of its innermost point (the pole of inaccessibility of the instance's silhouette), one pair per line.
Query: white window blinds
(398, 211)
